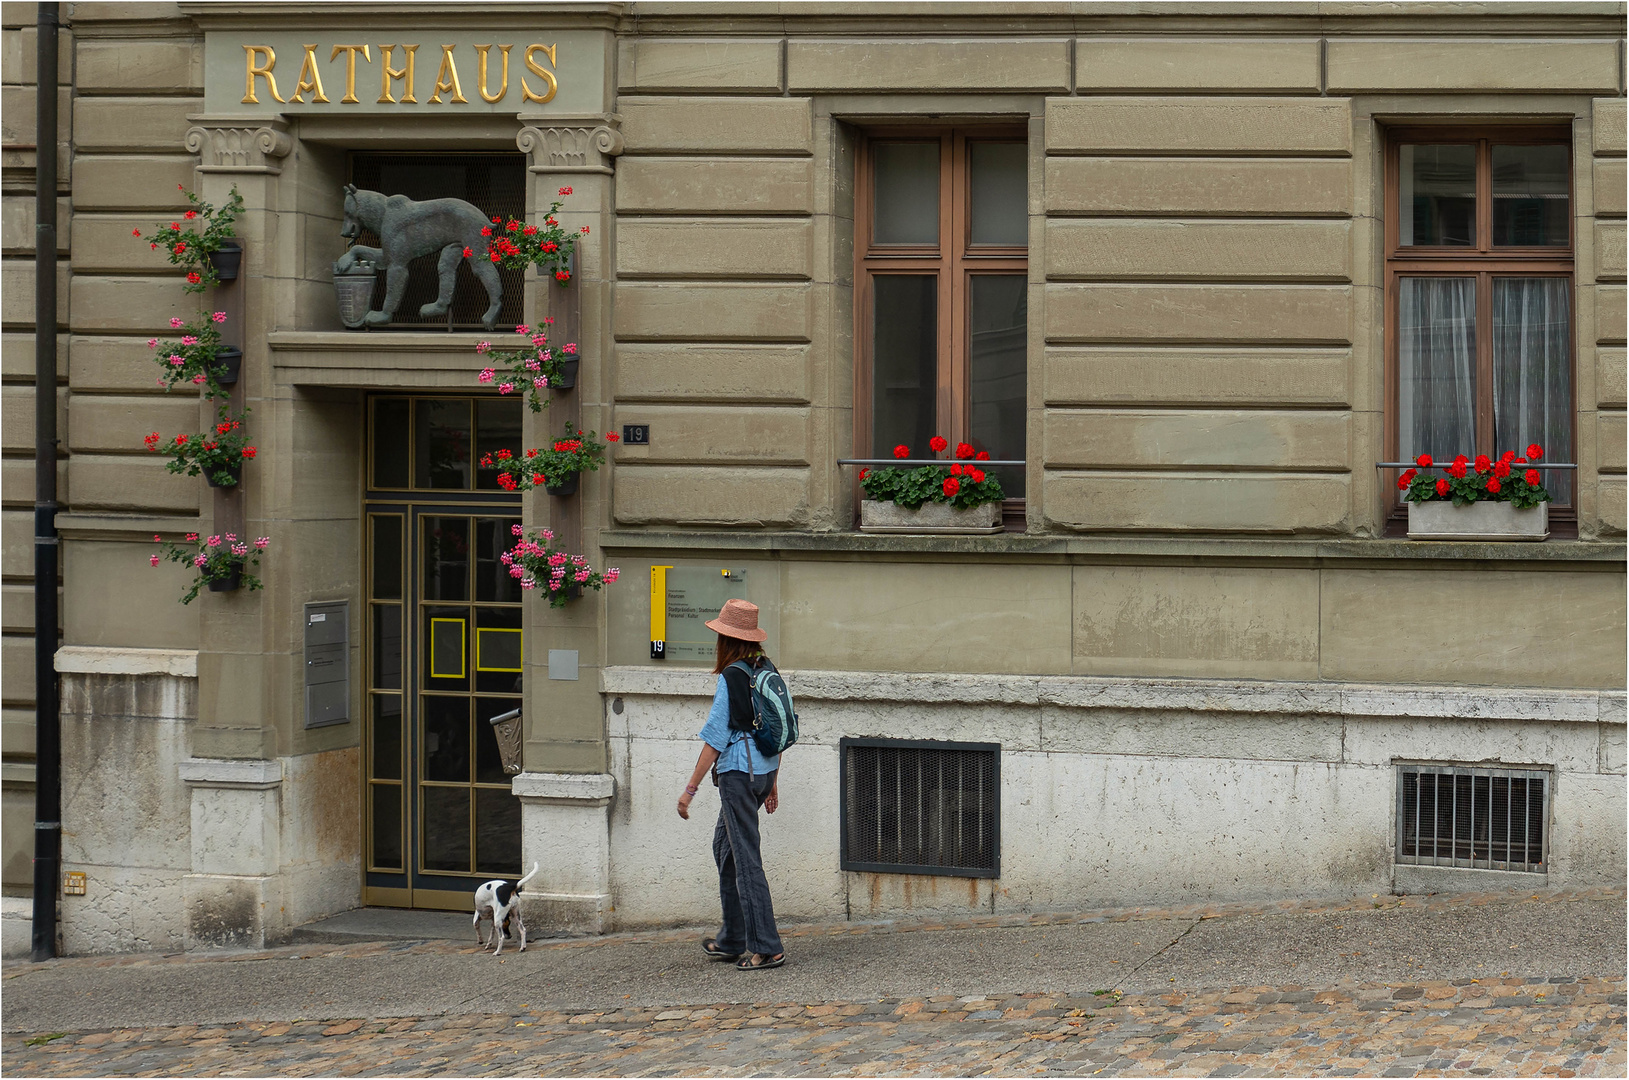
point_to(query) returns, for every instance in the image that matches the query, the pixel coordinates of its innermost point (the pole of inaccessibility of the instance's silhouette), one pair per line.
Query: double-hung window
(942, 307)
(1479, 295)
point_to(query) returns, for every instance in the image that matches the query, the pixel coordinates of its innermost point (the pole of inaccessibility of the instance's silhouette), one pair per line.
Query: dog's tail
(522, 882)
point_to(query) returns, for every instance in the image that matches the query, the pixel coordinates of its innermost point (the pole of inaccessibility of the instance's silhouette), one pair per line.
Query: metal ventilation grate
(496, 183)
(1479, 818)
(921, 807)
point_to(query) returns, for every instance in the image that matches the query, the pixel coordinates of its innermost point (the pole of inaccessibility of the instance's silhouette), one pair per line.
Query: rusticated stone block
(17, 292)
(117, 424)
(1609, 186)
(699, 311)
(716, 125)
(1611, 440)
(704, 495)
(138, 65)
(1609, 250)
(131, 484)
(718, 435)
(1098, 438)
(1102, 249)
(1198, 313)
(1609, 126)
(1168, 125)
(1429, 627)
(144, 182)
(1611, 383)
(1196, 621)
(18, 411)
(1609, 313)
(715, 186)
(1197, 186)
(655, 64)
(987, 64)
(1391, 65)
(1170, 63)
(1612, 502)
(686, 372)
(1265, 374)
(130, 303)
(1164, 502)
(130, 124)
(18, 224)
(717, 249)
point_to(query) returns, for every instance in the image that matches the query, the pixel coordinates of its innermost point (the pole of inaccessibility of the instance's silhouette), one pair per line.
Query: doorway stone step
(387, 924)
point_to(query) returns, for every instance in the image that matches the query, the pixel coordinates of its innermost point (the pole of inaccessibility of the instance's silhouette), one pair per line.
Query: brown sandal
(758, 961)
(710, 947)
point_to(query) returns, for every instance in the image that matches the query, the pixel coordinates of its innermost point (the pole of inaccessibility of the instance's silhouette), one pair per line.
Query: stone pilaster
(565, 829)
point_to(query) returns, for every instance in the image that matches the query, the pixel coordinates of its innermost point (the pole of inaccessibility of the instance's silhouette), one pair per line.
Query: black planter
(568, 374)
(228, 366)
(568, 486)
(236, 473)
(226, 261)
(231, 582)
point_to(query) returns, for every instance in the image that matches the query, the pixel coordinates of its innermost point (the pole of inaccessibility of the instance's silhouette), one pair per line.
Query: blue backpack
(774, 722)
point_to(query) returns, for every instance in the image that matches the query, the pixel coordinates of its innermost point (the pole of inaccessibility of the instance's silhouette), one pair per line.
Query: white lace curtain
(1532, 369)
(1532, 372)
(1436, 367)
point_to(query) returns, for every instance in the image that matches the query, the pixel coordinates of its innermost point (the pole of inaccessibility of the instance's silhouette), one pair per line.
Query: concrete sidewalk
(1366, 940)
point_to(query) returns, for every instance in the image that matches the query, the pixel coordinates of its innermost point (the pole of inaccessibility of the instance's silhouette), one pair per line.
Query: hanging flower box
(958, 497)
(1488, 499)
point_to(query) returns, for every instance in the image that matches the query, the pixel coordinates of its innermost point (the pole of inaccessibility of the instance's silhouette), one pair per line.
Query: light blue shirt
(733, 746)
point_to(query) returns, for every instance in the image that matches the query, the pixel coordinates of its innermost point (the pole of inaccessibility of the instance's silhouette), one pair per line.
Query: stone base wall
(1113, 791)
(182, 852)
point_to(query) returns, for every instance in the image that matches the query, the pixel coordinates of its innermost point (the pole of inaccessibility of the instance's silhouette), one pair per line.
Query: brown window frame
(953, 264)
(1484, 261)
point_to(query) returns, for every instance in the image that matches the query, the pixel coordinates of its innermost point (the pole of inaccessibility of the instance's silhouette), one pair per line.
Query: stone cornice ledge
(112, 660)
(228, 772)
(1608, 555)
(1178, 695)
(579, 789)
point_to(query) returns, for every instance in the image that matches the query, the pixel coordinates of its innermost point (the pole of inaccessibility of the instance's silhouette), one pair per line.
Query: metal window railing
(1444, 464)
(1473, 817)
(985, 464)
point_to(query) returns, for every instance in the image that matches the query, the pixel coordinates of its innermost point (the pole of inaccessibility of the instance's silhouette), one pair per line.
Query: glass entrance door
(444, 654)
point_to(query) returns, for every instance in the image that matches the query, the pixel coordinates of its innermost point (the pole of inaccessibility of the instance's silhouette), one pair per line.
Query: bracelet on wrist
(690, 789)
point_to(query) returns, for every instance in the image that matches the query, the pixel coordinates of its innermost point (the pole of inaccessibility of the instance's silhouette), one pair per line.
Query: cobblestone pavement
(1494, 1027)
(1503, 1024)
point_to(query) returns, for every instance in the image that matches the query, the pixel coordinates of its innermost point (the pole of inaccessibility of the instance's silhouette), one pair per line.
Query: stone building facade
(1168, 271)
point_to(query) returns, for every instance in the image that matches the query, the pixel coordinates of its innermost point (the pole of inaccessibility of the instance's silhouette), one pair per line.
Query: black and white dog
(499, 901)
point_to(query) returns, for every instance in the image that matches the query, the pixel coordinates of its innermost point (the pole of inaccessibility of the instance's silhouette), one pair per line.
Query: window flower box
(931, 517)
(1486, 499)
(957, 497)
(1477, 521)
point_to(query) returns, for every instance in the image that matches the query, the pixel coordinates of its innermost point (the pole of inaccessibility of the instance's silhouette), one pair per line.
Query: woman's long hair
(731, 649)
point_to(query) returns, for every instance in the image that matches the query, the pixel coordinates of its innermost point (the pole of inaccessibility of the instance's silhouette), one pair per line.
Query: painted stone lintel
(105, 660)
(575, 789)
(227, 773)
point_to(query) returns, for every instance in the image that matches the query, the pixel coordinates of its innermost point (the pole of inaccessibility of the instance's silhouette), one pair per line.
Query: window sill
(1609, 555)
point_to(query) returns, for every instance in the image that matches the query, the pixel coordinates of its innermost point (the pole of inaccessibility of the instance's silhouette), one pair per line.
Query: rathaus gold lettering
(398, 74)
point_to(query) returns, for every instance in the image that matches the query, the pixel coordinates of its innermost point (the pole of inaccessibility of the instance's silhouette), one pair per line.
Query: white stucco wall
(1113, 791)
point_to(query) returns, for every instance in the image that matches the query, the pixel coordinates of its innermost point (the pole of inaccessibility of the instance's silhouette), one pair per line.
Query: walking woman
(746, 780)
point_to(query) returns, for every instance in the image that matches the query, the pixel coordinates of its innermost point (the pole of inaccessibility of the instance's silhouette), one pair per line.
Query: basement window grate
(921, 807)
(1473, 817)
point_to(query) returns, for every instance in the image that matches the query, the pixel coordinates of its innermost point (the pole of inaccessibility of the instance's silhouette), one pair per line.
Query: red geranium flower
(1531, 476)
(937, 443)
(194, 278)
(864, 473)
(1442, 489)
(561, 275)
(982, 455)
(952, 485)
(1423, 461)
(1501, 469)
(1508, 456)
(1483, 463)
(611, 436)
(955, 470)
(976, 474)
(248, 451)
(1493, 484)
(963, 450)
(1534, 452)
(902, 451)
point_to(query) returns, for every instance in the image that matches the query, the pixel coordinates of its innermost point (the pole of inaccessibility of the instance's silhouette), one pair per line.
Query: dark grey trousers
(743, 892)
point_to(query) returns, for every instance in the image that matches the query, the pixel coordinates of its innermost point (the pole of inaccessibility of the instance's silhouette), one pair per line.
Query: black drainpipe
(47, 726)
